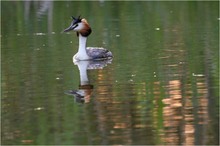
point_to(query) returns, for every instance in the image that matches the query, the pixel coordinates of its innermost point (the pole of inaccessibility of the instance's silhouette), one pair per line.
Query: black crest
(85, 31)
(73, 24)
(76, 20)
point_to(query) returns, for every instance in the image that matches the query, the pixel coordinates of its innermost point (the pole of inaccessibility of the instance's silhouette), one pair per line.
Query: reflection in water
(43, 8)
(185, 115)
(161, 89)
(84, 92)
(185, 111)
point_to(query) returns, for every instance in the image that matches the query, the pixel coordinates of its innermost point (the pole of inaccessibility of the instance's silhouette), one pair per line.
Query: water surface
(160, 88)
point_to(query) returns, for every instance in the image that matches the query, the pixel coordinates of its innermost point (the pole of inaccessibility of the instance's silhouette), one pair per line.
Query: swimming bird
(83, 30)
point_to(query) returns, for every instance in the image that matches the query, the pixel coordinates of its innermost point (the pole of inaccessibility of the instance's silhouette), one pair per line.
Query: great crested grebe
(83, 30)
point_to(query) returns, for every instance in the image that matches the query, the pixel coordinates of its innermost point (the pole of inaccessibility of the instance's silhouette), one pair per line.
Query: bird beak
(69, 28)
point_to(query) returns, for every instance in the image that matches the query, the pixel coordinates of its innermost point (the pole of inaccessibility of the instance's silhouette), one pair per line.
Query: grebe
(83, 30)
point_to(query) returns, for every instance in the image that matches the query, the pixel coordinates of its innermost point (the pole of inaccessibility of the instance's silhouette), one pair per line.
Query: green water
(162, 86)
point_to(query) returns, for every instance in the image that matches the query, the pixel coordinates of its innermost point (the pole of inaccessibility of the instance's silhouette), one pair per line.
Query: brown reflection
(185, 111)
(185, 115)
(172, 113)
(83, 94)
(122, 119)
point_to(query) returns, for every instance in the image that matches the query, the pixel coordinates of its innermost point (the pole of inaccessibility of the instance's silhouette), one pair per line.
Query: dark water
(162, 86)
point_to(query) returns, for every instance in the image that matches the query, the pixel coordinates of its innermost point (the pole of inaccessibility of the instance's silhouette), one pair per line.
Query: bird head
(80, 25)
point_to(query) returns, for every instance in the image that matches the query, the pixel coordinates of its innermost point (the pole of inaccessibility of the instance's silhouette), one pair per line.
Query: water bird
(83, 30)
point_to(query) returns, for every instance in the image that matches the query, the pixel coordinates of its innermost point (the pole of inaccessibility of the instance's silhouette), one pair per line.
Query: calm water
(162, 87)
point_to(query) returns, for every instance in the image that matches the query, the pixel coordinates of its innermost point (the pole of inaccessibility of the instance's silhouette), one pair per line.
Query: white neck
(81, 54)
(82, 65)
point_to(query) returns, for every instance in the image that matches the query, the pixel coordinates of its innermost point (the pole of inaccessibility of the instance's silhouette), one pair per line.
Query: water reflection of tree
(42, 8)
(123, 118)
(185, 111)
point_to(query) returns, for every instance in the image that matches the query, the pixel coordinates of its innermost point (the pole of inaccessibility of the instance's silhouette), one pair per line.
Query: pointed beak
(69, 28)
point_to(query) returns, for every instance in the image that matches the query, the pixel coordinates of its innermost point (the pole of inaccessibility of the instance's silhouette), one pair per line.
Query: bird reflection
(83, 94)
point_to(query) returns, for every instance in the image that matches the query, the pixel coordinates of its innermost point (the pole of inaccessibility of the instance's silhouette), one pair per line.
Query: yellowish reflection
(181, 115)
